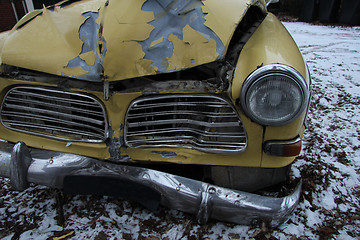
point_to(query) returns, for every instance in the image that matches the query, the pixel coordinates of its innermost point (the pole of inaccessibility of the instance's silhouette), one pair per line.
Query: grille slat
(184, 121)
(188, 131)
(50, 97)
(54, 113)
(54, 106)
(51, 121)
(160, 105)
(203, 122)
(37, 127)
(187, 139)
(194, 113)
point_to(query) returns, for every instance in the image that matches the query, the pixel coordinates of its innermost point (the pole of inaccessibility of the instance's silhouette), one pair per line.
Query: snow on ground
(329, 166)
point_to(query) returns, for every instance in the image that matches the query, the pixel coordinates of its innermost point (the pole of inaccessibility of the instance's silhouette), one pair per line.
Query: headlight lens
(274, 95)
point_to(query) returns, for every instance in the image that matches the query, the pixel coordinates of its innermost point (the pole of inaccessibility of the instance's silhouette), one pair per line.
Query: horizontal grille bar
(184, 121)
(203, 122)
(50, 105)
(189, 131)
(183, 113)
(54, 113)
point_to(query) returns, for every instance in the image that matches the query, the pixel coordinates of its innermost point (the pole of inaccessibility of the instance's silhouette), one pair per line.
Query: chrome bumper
(205, 200)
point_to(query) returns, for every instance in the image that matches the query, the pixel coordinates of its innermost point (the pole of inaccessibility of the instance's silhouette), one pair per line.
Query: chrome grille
(203, 122)
(54, 113)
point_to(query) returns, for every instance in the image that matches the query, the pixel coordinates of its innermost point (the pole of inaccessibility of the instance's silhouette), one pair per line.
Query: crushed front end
(187, 104)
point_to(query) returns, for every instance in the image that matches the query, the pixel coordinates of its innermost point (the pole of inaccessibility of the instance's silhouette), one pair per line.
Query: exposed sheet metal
(174, 19)
(93, 49)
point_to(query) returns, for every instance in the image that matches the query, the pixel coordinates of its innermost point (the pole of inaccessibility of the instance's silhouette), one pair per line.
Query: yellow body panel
(3, 36)
(125, 43)
(96, 40)
(271, 44)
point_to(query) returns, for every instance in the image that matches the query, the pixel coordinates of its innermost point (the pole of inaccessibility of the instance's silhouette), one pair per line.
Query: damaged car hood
(98, 40)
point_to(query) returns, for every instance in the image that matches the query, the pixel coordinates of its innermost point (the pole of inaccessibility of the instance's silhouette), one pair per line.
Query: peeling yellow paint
(125, 21)
(157, 41)
(189, 51)
(27, 18)
(115, 68)
(122, 25)
(223, 18)
(84, 5)
(46, 40)
(128, 12)
(88, 57)
(143, 66)
(75, 71)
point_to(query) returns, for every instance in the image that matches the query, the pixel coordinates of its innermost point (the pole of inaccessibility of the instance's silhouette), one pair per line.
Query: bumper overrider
(79, 174)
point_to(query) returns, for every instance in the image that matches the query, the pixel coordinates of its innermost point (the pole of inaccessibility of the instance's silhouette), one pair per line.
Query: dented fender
(270, 44)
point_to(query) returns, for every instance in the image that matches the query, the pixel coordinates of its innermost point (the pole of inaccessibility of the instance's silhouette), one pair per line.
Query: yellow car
(186, 103)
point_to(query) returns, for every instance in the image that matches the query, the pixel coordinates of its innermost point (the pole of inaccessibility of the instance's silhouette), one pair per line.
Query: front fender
(271, 44)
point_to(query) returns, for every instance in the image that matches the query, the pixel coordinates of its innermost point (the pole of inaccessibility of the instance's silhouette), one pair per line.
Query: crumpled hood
(98, 40)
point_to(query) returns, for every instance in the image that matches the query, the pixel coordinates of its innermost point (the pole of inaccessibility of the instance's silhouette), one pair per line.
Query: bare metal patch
(88, 34)
(165, 154)
(171, 17)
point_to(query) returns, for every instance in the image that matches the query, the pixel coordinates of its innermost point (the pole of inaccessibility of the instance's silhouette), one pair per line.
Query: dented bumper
(149, 187)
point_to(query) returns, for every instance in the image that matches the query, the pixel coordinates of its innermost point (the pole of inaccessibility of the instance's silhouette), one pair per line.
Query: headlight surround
(274, 95)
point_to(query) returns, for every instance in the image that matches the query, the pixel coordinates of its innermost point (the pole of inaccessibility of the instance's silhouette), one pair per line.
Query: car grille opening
(206, 123)
(54, 113)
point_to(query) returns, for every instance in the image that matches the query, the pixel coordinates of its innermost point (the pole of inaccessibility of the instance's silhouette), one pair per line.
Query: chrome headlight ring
(274, 95)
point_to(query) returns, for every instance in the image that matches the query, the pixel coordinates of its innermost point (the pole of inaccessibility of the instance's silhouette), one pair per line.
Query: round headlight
(274, 95)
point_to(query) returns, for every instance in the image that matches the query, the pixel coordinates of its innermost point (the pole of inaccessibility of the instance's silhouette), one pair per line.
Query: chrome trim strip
(207, 114)
(54, 113)
(200, 123)
(52, 97)
(171, 130)
(96, 121)
(12, 99)
(207, 104)
(184, 194)
(50, 119)
(21, 124)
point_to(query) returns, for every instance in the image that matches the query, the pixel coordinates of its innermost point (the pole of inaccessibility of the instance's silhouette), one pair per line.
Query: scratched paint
(166, 154)
(170, 18)
(90, 59)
